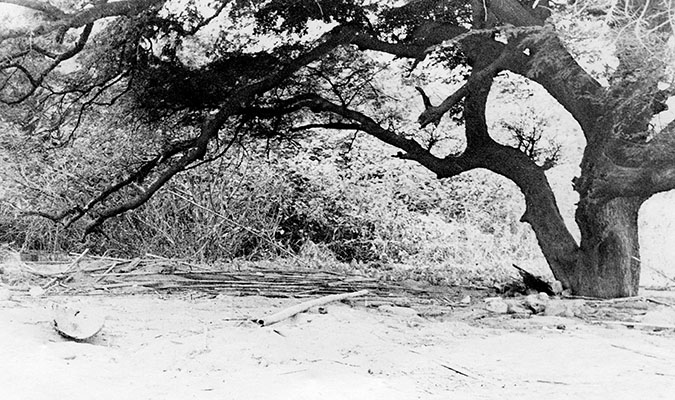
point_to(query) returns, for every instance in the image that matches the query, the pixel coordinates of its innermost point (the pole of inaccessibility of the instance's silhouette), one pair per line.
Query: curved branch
(411, 149)
(47, 9)
(541, 213)
(190, 156)
(196, 149)
(432, 114)
(61, 20)
(37, 81)
(628, 169)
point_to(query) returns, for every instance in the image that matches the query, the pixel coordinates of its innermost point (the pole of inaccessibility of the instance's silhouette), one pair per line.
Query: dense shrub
(356, 203)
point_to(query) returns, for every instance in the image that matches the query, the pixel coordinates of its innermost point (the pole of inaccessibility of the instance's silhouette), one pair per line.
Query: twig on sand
(456, 371)
(636, 351)
(550, 382)
(663, 303)
(445, 365)
(298, 308)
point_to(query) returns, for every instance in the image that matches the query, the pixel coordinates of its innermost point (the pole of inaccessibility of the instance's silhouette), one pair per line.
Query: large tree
(201, 73)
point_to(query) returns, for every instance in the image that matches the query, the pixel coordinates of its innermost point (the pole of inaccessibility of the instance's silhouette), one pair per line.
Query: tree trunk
(609, 259)
(541, 209)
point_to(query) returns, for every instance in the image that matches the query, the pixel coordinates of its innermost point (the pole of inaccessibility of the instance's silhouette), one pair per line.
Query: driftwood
(298, 308)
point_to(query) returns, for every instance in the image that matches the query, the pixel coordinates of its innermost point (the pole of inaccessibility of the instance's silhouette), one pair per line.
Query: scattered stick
(636, 351)
(126, 274)
(178, 261)
(298, 308)
(550, 382)
(116, 285)
(68, 269)
(456, 371)
(107, 271)
(663, 303)
(106, 258)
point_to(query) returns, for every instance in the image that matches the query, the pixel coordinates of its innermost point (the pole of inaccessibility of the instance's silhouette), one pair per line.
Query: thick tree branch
(194, 154)
(541, 209)
(417, 50)
(61, 20)
(432, 114)
(553, 67)
(628, 169)
(549, 62)
(512, 12)
(411, 149)
(427, 106)
(44, 7)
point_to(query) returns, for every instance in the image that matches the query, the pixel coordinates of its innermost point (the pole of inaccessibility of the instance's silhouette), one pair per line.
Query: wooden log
(298, 308)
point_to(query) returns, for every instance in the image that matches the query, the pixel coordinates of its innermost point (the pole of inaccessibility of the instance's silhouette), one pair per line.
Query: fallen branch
(298, 308)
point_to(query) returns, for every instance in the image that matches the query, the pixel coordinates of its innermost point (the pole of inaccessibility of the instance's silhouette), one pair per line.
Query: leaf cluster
(293, 16)
(411, 21)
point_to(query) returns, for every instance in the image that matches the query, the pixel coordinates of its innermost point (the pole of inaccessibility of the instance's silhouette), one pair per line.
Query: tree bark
(608, 265)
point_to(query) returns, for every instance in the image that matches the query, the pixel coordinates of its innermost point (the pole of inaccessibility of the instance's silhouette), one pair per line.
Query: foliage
(528, 134)
(358, 205)
(293, 15)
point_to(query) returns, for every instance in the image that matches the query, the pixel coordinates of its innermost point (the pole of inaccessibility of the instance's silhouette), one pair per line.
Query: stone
(564, 308)
(5, 294)
(402, 311)
(558, 308)
(536, 302)
(517, 308)
(557, 288)
(497, 305)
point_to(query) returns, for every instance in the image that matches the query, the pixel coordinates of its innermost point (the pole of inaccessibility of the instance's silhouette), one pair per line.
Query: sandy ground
(186, 347)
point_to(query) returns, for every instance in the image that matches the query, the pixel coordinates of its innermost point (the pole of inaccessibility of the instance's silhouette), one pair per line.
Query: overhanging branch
(60, 20)
(327, 125)
(35, 82)
(196, 149)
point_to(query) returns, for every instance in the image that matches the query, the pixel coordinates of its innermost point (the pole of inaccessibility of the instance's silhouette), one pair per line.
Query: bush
(360, 204)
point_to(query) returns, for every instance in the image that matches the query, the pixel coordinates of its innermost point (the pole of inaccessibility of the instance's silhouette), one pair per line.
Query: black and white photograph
(337, 199)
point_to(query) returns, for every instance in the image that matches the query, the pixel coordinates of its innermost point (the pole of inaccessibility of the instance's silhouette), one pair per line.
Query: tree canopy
(189, 78)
